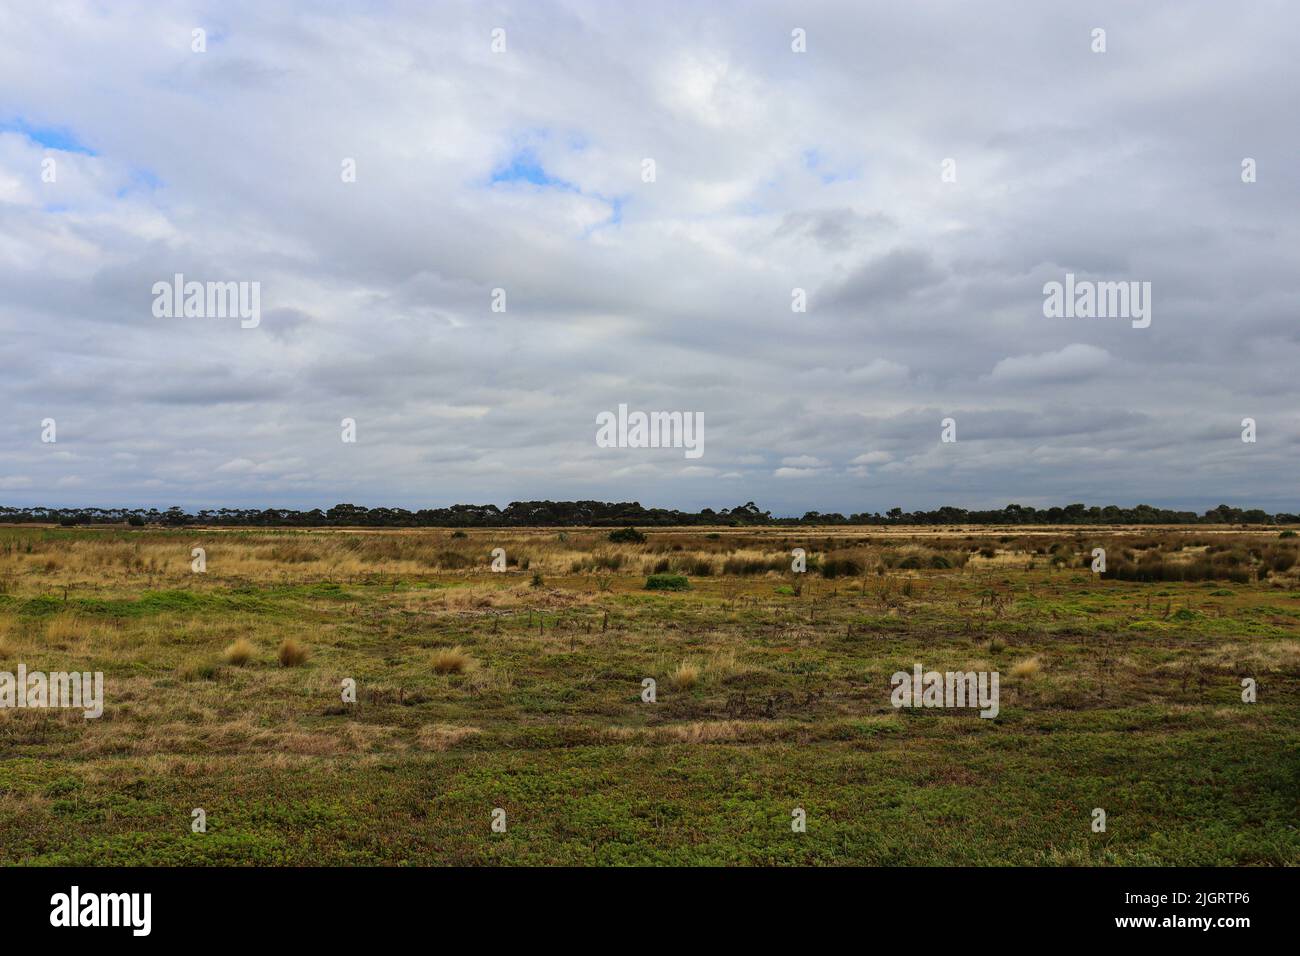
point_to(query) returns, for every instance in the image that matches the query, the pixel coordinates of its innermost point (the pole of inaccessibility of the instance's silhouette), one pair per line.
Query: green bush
(667, 582)
(627, 535)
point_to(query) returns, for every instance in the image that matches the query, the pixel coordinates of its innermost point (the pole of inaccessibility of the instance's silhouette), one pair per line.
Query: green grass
(1136, 709)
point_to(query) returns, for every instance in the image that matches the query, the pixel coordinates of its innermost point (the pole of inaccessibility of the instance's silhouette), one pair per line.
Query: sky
(920, 170)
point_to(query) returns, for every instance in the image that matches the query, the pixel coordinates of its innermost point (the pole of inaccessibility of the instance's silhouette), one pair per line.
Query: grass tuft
(292, 653)
(684, 677)
(239, 653)
(1029, 667)
(451, 660)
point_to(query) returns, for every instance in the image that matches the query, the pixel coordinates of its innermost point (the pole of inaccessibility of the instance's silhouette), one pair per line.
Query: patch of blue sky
(615, 215)
(816, 163)
(523, 166)
(616, 211)
(142, 180)
(51, 137)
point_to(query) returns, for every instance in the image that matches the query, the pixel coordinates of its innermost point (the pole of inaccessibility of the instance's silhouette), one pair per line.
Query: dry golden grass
(451, 660)
(442, 737)
(724, 664)
(684, 677)
(712, 731)
(156, 559)
(193, 670)
(8, 646)
(488, 680)
(64, 629)
(1029, 667)
(292, 653)
(240, 652)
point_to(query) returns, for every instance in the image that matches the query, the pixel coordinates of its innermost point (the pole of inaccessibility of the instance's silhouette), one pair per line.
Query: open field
(522, 690)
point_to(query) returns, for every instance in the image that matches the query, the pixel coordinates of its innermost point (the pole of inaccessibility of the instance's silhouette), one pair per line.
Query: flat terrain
(522, 690)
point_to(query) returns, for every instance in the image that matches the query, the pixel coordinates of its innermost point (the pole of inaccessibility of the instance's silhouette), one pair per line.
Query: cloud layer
(774, 171)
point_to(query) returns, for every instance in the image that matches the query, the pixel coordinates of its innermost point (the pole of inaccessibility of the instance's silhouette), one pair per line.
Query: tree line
(525, 514)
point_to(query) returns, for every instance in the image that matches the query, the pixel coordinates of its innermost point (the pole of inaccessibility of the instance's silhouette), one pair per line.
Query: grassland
(523, 690)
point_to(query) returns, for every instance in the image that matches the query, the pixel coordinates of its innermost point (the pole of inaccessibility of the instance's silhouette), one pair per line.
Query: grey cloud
(925, 298)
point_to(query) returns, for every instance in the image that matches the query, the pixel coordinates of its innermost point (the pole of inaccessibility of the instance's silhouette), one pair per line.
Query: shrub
(1224, 566)
(743, 566)
(1283, 561)
(667, 582)
(700, 567)
(598, 562)
(239, 653)
(292, 554)
(454, 561)
(451, 660)
(840, 568)
(537, 581)
(628, 535)
(292, 654)
(1287, 534)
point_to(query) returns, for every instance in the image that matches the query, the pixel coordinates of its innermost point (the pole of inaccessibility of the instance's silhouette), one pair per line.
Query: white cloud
(879, 371)
(872, 458)
(1072, 363)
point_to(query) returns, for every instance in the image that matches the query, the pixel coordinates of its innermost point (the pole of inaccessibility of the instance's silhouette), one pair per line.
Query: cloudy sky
(774, 170)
